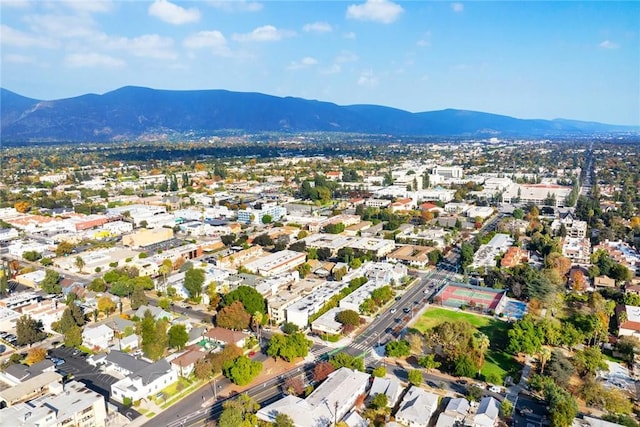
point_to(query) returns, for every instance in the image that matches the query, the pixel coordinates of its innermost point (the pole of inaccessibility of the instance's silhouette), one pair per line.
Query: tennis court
(514, 309)
(473, 297)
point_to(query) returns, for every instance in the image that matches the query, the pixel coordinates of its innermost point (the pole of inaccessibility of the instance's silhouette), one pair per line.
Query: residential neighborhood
(483, 284)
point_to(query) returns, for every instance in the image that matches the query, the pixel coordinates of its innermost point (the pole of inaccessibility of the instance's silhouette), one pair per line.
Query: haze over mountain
(137, 113)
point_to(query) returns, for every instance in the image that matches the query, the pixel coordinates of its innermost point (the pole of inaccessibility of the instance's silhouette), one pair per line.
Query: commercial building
(146, 237)
(46, 382)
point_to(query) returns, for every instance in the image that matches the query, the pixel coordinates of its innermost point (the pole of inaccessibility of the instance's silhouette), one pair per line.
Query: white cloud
(318, 27)
(62, 26)
(78, 60)
(18, 4)
(367, 78)
(146, 46)
(350, 36)
(305, 62)
(172, 13)
(425, 41)
(236, 5)
(346, 56)
(383, 11)
(608, 44)
(12, 37)
(334, 69)
(457, 7)
(213, 40)
(266, 33)
(92, 6)
(19, 59)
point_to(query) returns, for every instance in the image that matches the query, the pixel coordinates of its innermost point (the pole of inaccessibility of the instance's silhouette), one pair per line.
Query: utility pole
(335, 415)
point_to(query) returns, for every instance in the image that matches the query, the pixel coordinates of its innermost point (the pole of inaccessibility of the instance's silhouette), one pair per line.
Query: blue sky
(577, 60)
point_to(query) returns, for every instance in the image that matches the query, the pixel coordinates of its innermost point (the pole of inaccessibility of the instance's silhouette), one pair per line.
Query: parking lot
(75, 364)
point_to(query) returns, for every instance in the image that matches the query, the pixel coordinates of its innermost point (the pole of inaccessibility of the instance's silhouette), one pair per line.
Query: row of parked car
(9, 338)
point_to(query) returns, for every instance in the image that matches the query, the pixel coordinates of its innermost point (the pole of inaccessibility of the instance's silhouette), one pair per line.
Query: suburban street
(387, 326)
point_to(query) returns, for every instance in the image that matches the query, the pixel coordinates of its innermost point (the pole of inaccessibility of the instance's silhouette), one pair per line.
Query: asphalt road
(196, 410)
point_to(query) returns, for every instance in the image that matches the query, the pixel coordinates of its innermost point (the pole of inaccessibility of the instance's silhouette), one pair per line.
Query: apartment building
(276, 263)
(75, 405)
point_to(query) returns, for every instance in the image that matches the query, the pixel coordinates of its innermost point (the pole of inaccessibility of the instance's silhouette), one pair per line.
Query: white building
(276, 263)
(75, 406)
(145, 382)
(97, 337)
(448, 171)
(487, 413)
(331, 401)
(417, 407)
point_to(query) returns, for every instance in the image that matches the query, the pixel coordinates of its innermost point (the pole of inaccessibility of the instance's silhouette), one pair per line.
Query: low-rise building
(46, 382)
(145, 382)
(487, 413)
(146, 237)
(76, 405)
(390, 386)
(98, 337)
(417, 407)
(276, 263)
(329, 402)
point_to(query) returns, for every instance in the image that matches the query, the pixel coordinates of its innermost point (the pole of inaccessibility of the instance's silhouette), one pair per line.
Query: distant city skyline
(574, 60)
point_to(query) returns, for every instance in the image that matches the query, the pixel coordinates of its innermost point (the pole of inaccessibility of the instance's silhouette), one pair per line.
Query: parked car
(393, 310)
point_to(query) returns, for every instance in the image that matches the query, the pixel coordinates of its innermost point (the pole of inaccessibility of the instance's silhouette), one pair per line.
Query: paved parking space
(530, 412)
(75, 363)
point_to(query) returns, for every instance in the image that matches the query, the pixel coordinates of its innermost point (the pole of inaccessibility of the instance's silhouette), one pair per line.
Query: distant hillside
(136, 113)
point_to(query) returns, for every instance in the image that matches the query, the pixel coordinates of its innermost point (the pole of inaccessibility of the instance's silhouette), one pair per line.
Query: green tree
(64, 248)
(304, 269)
(562, 406)
(138, 297)
(73, 336)
(51, 282)
(97, 285)
(429, 362)
(398, 348)
(178, 336)
(348, 318)
(283, 420)
(266, 219)
(79, 262)
(242, 370)
(525, 337)
(342, 359)
(379, 372)
(289, 328)
(415, 377)
(193, 281)
(251, 299)
(29, 330)
(506, 408)
(464, 366)
(474, 393)
(288, 347)
(379, 401)
(590, 361)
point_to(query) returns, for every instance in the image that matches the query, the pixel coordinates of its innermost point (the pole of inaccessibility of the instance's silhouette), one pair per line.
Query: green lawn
(497, 361)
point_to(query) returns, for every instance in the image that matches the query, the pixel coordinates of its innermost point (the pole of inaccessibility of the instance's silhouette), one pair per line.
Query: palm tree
(482, 344)
(543, 357)
(80, 263)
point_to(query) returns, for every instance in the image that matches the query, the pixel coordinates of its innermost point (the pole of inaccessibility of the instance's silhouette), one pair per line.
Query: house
(628, 320)
(130, 342)
(16, 373)
(389, 386)
(98, 337)
(120, 325)
(330, 401)
(417, 407)
(455, 413)
(186, 362)
(145, 382)
(156, 312)
(604, 282)
(121, 362)
(226, 336)
(487, 413)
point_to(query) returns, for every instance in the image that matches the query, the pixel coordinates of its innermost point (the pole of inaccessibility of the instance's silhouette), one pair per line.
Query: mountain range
(138, 113)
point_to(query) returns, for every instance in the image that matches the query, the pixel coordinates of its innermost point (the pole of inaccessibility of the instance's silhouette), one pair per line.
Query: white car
(393, 310)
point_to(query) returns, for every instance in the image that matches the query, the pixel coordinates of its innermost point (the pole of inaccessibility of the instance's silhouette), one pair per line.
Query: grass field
(497, 361)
